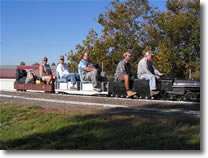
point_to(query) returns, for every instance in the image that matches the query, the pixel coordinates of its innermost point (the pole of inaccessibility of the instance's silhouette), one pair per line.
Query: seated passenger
(123, 73)
(88, 71)
(147, 71)
(65, 73)
(45, 72)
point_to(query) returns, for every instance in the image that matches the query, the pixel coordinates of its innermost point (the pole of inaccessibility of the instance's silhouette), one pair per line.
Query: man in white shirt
(65, 73)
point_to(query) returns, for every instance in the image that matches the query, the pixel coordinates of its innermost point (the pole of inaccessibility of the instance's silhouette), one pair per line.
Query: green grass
(26, 127)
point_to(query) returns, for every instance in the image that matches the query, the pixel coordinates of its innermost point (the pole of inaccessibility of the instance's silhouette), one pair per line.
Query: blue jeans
(151, 78)
(71, 77)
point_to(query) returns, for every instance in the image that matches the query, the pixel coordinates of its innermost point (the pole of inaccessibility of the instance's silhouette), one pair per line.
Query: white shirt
(63, 70)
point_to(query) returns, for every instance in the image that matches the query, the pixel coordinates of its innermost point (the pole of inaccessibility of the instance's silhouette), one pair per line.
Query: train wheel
(191, 96)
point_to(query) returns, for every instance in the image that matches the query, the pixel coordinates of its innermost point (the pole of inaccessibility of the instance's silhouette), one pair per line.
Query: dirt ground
(83, 105)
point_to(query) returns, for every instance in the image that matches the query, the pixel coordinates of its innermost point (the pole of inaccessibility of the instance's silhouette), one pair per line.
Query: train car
(187, 90)
(82, 88)
(170, 89)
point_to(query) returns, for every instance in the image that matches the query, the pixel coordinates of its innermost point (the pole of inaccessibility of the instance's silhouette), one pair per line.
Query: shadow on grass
(116, 129)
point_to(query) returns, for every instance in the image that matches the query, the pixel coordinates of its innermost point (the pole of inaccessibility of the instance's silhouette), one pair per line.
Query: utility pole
(189, 73)
(94, 27)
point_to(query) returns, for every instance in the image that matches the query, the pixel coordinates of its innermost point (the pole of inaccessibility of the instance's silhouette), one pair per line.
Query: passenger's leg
(48, 79)
(151, 78)
(77, 76)
(152, 83)
(124, 78)
(72, 77)
(92, 76)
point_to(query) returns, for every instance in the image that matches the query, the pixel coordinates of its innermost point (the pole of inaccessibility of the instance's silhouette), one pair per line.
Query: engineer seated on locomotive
(123, 73)
(65, 73)
(45, 72)
(147, 71)
(88, 71)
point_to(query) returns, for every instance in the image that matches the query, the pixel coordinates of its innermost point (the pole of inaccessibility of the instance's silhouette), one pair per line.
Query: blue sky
(31, 29)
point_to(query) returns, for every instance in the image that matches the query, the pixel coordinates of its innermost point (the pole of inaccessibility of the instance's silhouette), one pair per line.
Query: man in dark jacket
(123, 73)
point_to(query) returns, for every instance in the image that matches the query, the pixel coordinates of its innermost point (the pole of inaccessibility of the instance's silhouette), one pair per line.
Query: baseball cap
(61, 58)
(148, 53)
(127, 54)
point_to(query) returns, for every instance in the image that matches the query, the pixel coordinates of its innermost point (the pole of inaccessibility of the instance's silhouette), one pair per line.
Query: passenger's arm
(89, 69)
(41, 70)
(157, 72)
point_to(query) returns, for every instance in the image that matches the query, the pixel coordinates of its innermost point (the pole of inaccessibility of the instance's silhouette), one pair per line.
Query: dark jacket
(123, 67)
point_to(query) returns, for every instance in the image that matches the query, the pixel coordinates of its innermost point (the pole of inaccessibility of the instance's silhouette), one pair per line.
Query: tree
(36, 63)
(53, 64)
(132, 25)
(22, 63)
(93, 45)
(123, 30)
(175, 35)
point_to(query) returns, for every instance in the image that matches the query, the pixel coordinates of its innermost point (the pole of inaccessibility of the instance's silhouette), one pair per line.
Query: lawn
(30, 128)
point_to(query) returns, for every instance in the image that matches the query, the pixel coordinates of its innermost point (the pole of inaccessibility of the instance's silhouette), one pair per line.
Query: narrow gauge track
(173, 108)
(96, 97)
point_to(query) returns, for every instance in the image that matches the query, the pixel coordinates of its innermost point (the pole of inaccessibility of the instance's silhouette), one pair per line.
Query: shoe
(73, 87)
(131, 93)
(97, 89)
(153, 93)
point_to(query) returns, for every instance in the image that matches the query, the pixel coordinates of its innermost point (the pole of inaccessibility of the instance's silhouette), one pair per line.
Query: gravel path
(93, 104)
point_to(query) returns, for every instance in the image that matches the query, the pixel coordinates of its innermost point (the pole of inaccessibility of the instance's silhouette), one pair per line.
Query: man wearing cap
(147, 71)
(45, 71)
(123, 73)
(65, 73)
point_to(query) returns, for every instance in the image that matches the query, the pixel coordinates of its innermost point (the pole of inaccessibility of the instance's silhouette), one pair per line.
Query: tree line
(133, 25)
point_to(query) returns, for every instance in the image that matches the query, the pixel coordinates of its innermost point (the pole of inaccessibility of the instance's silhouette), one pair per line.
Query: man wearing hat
(123, 73)
(147, 71)
(65, 73)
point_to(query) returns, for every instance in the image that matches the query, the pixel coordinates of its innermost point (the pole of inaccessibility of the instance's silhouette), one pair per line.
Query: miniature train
(170, 89)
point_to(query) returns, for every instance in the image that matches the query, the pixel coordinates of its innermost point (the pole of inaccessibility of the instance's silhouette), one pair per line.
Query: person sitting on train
(147, 71)
(65, 74)
(46, 72)
(123, 73)
(88, 71)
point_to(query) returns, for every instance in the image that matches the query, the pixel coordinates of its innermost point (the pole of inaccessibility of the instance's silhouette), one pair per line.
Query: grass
(27, 127)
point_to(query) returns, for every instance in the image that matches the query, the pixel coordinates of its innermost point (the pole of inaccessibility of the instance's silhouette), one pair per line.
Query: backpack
(21, 75)
(30, 78)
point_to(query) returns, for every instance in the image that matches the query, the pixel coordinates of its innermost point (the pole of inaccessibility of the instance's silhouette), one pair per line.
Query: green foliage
(123, 29)
(53, 64)
(176, 36)
(22, 63)
(36, 63)
(132, 25)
